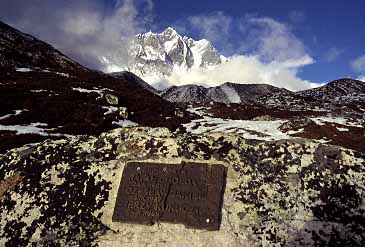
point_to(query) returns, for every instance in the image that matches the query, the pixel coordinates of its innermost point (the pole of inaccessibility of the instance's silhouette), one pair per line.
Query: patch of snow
(17, 112)
(6, 116)
(32, 128)
(342, 129)
(62, 74)
(338, 120)
(198, 50)
(169, 45)
(200, 111)
(125, 123)
(259, 130)
(110, 109)
(38, 90)
(292, 132)
(322, 141)
(104, 89)
(58, 73)
(23, 70)
(84, 90)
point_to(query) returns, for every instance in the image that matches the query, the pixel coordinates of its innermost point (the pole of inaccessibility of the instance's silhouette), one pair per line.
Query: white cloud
(358, 64)
(104, 36)
(361, 78)
(273, 40)
(83, 29)
(245, 70)
(213, 27)
(332, 54)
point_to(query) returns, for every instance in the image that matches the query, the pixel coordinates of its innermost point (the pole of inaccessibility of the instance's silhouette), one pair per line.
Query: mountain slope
(24, 51)
(51, 96)
(135, 79)
(225, 93)
(338, 90)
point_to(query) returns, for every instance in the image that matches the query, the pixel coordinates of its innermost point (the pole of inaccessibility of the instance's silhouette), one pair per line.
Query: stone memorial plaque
(187, 193)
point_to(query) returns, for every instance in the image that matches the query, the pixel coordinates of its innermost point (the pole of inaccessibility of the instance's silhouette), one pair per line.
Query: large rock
(284, 193)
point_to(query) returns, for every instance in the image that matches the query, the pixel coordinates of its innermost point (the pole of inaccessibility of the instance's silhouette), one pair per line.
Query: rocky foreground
(280, 193)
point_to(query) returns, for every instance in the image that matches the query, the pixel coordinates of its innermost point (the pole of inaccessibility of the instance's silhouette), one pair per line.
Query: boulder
(282, 193)
(111, 99)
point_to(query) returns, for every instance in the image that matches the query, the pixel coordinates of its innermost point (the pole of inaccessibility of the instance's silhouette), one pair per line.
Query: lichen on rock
(281, 193)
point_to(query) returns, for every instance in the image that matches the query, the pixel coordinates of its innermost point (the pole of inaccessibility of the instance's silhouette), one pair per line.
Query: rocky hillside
(44, 94)
(19, 50)
(225, 93)
(337, 88)
(287, 193)
(128, 76)
(342, 91)
(343, 97)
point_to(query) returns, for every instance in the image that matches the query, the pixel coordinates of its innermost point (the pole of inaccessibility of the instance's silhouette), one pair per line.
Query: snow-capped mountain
(225, 93)
(162, 53)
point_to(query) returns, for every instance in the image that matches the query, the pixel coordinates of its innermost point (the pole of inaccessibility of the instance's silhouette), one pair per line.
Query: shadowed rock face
(24, 51)
(287, 193)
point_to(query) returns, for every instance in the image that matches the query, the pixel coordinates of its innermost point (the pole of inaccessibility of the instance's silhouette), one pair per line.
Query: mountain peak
(336, 89)
(159, 54)
(169, 31)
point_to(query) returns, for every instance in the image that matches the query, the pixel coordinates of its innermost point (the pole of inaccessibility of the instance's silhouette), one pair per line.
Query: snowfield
(268, 130)
(259, 130)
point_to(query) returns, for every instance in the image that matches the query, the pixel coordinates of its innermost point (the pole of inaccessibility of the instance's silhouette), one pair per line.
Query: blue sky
(320, 40)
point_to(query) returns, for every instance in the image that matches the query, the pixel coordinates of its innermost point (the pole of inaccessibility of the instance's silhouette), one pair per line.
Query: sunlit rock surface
(281, 193)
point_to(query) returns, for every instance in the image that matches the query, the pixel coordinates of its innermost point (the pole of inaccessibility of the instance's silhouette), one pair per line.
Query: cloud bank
(85, 30)
(245, 70)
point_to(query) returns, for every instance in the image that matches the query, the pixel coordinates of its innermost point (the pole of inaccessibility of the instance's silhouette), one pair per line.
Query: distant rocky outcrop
(339, 91)
(225, 93)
